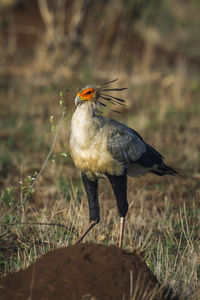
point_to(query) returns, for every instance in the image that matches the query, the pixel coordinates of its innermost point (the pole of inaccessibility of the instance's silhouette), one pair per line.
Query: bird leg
(121, 231)
(119, 185)
(91, 188)
(85, 232)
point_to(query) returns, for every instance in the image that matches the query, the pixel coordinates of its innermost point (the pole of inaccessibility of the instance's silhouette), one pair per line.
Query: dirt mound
(86, 271)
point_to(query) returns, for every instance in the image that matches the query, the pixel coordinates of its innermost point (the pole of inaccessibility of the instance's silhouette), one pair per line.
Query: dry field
(43, 205)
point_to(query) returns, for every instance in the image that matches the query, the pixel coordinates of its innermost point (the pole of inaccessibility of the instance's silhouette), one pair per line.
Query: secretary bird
(104, 148)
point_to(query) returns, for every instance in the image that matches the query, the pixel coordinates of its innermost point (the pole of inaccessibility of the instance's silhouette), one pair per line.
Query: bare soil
(86, 271)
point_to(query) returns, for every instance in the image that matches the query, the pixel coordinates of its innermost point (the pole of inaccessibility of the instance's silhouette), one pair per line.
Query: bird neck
(85, 114)
(85, 123)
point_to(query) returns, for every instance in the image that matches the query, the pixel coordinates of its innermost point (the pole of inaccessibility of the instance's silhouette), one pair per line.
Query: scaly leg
(121, 231)
(85, 232)
(119, 185)
(91, 188)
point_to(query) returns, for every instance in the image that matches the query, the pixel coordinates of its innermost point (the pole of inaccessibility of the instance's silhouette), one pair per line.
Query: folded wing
(128, 147)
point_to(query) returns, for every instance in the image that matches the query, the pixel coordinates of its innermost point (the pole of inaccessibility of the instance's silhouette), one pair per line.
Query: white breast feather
(88, 145)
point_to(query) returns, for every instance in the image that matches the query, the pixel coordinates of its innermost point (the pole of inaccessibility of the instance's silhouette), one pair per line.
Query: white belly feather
(88, 145)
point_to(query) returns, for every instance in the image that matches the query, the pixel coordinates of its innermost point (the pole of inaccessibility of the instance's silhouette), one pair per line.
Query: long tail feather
(163, 169)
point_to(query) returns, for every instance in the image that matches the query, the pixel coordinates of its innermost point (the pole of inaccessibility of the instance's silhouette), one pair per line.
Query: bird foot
(85, 232)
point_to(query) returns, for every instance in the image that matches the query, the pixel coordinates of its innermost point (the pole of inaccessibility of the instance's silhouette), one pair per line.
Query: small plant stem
(41, 170)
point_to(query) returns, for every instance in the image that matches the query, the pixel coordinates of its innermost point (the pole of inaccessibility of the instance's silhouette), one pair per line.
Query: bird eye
(89, 92)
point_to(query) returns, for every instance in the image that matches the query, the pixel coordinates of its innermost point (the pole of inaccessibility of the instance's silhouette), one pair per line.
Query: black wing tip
(164, 170)
(175, 172)
(171, 171)
(180, 174)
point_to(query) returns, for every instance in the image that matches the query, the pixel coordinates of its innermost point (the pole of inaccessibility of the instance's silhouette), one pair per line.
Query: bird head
(93, 93)
(88, 93)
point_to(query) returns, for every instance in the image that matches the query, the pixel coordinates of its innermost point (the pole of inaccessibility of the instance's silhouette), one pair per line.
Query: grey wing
(124, 144)
(128, 147)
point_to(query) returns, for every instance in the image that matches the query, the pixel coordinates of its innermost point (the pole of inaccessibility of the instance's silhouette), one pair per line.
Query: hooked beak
(77, 100)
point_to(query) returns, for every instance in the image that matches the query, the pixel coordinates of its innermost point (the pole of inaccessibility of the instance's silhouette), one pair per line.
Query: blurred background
(152, 47)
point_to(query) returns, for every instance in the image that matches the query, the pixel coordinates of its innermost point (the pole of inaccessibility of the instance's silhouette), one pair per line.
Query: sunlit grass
(163, 219)
(168, 241)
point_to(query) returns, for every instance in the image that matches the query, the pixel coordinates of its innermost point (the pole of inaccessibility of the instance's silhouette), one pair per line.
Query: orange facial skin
(86, 94)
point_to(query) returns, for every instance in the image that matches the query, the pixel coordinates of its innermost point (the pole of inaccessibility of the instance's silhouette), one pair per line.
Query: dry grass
(163, 218)
(168, 240)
